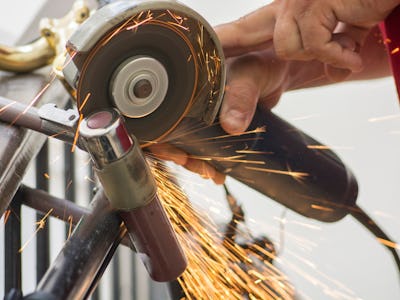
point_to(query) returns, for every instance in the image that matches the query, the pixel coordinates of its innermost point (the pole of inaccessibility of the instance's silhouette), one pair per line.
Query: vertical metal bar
(116, 277)
(69, 171)
(43, 237)
(96, 292)
(12, 244)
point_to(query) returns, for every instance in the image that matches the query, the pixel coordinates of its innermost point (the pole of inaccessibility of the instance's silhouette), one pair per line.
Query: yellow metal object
(26, 58)
(47, 49)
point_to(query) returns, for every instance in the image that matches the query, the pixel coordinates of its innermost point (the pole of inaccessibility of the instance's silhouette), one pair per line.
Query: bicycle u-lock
(131, 189)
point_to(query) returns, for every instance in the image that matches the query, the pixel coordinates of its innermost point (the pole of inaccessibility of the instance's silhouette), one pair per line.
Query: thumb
(242, 93)
(249, 33)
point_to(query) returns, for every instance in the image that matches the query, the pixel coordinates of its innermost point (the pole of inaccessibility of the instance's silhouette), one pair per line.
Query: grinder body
(161, 65)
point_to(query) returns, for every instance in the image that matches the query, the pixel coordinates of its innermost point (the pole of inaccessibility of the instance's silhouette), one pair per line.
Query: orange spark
(46, 175)
(7, 214)
(59, 133)
(384, 118)
(324, 147)
(40, 225)
(35, 99)
(387, 41)
(253, 152)
(137, 24)
(70, 218)
(7, 106)
(77, 133)
(179, 25)
(281, 172)
(323, 208)
(84, 101)
(388, 243)
(395, 50)
(67, 62)
(68, 185)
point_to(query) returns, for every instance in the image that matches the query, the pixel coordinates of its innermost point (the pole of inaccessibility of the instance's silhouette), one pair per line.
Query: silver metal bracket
(58, 122)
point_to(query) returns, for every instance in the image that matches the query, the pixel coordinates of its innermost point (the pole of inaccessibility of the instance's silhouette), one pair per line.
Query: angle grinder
(160, 64)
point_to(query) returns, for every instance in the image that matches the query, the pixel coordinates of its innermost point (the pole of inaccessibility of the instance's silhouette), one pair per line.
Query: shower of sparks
(217, 268)
(40, 225)
(250, 135)
(235, 159)
(330, 286)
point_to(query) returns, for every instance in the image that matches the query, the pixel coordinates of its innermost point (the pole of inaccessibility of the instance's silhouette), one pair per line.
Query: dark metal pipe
(72, 274)
(61, 209)
(26, 116)
(43, 237)
(14, 112)
(12, 242)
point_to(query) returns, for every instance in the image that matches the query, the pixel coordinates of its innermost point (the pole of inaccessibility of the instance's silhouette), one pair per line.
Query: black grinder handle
(278, 160)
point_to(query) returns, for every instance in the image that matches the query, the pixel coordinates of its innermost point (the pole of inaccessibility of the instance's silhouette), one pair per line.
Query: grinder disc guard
(155, 61)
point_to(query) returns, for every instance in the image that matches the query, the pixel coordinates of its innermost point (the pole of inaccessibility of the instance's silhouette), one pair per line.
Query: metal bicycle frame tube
(76, 269)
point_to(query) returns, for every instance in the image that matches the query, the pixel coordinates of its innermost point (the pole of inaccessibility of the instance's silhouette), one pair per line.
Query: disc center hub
(139, 86)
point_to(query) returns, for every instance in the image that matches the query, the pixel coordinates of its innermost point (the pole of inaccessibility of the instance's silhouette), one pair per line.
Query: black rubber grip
(278, 160)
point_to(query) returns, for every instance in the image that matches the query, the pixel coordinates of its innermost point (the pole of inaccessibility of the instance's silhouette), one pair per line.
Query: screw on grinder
(161, 64)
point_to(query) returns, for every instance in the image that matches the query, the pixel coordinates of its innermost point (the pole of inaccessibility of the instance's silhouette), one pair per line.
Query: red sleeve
(391, 33)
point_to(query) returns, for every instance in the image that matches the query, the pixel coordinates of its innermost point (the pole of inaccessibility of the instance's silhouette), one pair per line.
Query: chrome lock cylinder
(118, 159)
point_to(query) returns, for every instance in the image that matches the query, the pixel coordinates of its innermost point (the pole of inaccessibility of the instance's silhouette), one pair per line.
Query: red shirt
(391, 33)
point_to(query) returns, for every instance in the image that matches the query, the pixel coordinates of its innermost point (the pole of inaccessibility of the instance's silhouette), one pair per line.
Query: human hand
(256, 79)
(330, 31)
(169, 152)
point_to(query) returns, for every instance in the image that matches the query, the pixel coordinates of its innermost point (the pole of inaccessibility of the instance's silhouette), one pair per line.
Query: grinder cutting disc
(155, 61)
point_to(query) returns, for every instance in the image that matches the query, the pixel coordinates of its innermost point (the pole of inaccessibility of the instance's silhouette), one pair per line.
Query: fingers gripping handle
(278, 160)
(131, 189)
